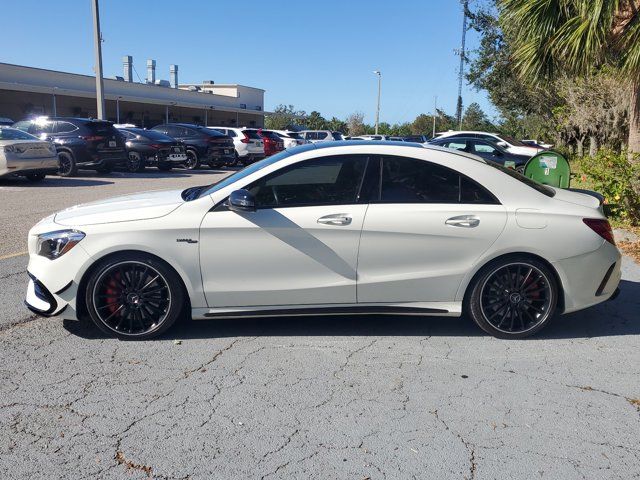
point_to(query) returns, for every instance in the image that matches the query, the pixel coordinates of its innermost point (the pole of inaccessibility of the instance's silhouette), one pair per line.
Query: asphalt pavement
(324, 397)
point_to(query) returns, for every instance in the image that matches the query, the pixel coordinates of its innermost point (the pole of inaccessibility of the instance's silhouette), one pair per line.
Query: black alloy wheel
(135, 162)
(514, 299)
(193, 162)
(66, 165)
(134, 298)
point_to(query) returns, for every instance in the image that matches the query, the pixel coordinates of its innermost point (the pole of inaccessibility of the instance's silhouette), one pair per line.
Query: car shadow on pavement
(617, 317)
(55, 182)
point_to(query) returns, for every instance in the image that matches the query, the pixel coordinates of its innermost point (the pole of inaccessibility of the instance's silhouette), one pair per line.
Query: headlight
(53, 245)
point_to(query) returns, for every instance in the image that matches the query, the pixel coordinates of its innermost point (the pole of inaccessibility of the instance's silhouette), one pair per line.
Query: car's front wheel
(193, 162)
(513, 297)
(135, 162)
(134, 296)
(66, 164)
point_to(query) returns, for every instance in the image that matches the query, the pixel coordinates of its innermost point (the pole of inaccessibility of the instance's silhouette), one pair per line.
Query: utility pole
(462, 53)
(377, 72)
(97, 44)
(435, 112)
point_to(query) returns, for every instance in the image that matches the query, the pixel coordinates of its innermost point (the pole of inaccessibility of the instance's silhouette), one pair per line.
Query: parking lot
(365, 397)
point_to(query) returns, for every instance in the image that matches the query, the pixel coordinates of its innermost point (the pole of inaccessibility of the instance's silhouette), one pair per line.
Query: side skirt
(420, 309)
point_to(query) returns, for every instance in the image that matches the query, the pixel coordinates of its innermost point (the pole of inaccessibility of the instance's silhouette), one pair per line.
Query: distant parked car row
(73, 144)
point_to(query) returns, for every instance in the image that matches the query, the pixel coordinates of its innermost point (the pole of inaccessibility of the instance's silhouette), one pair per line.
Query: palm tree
(577, 36)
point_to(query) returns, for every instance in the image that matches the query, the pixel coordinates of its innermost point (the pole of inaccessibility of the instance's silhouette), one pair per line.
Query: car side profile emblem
(186, 240)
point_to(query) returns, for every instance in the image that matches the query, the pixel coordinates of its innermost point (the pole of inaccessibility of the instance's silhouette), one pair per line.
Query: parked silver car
(22, 154)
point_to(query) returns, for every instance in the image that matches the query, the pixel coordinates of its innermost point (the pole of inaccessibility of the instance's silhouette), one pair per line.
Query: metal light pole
(118, 109)
(97, 44)
(435, 112)
(55, 103)
(377, 72)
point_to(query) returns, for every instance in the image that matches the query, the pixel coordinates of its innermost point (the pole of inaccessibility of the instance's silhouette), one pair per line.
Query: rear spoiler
(588, 192)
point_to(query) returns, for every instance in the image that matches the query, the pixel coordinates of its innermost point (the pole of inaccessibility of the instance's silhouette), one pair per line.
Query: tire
(164, 167)
(236, 160)
(134, 296)
(513, 297)
(67, 165)
(193, 162)
(135, 162)
(35, 177)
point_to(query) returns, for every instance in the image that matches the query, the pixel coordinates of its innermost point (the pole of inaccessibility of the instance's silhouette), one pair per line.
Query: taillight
(92, 138)
(245, 139)
(601, 227)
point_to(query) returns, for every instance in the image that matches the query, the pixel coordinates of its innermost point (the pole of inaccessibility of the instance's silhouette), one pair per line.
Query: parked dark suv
(81, 142)
(203, 145)
(152, 148)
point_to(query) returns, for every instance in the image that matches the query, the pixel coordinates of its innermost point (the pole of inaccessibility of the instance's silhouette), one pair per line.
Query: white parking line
(12, 255)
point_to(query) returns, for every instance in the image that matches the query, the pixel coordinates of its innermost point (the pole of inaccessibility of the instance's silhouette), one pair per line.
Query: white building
(28, 91)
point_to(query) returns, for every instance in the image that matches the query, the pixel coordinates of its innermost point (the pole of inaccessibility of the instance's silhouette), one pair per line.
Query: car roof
(384, 145)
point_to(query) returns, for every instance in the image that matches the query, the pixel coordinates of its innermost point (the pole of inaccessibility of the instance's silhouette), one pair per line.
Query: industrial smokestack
(173, 75)
(151, 71)
(127, 65)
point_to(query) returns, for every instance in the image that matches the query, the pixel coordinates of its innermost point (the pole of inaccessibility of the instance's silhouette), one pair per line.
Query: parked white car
(504, 141)
(315, 136)
(248, 145)
(290, 139)
(22, 154)
(374, 137)
(328, 228)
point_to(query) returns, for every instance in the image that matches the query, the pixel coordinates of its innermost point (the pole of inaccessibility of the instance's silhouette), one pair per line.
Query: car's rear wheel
(134, 296)
(513, 298)
(66, 164)
(193, 162)
(135, 162)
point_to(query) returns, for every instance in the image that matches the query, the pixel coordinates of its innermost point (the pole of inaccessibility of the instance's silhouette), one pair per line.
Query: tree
(315, 121)
(474, 118)
(337, 125)
(283, 117)
(355, 124)
(422, 125)
(577, 37)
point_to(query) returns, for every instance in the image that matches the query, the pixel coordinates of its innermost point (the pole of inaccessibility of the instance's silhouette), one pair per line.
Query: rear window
(211, 132)
(100, 128)
(511, 140)
(549, 192)
(252, 134)
(15, 134)
(153, 135)
(270, 134)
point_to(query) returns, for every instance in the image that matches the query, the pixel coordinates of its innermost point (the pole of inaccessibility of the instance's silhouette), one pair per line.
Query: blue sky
(313, 55)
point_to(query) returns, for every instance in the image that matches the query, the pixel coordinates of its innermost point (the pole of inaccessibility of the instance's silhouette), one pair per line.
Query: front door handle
(336, 219)
(466, 221)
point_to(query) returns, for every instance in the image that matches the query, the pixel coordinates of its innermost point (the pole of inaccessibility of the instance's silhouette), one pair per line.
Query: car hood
(141, 206)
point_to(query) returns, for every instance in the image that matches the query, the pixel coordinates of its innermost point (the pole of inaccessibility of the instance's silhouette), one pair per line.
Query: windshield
(245, 172)
(511, 140)
(549, 192)
(15, 134)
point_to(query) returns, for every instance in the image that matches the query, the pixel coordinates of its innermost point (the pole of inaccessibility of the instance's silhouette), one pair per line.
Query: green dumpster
(549, 168)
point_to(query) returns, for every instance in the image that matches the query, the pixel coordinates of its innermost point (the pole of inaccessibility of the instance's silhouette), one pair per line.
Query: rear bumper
(591, 278)
(32, 165)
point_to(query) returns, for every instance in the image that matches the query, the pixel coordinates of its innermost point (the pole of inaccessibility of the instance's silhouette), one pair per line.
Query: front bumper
(53, 284)
(32, 165)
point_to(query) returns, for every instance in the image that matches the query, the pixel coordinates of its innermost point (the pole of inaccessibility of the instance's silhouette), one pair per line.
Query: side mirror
(242, 201)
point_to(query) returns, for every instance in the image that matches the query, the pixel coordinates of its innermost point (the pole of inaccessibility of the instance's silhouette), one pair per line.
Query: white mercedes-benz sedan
(330, 228)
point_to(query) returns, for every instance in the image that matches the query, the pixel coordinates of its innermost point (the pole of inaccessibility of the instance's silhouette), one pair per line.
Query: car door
(427, 228)
(300, 245)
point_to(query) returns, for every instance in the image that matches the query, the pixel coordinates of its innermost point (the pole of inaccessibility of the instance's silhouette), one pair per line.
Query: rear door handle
(336, 219)
(466, 221)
